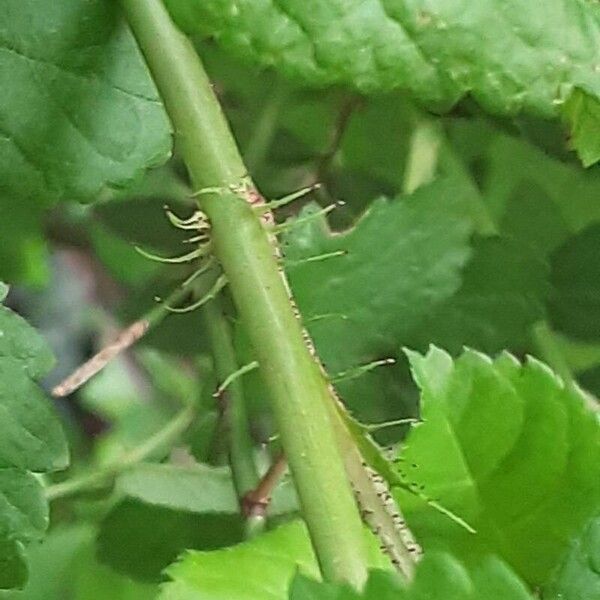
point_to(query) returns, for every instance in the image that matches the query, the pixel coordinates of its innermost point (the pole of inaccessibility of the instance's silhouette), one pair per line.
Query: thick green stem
(297, 388)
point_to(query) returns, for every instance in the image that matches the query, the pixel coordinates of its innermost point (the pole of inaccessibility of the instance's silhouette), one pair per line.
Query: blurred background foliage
(503, 248)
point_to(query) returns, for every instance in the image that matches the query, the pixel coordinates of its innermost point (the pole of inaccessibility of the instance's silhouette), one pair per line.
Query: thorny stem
(297, 388)
(161, 440)
(265, 128)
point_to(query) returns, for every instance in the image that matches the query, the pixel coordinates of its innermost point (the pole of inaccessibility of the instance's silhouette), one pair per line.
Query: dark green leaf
(23, 509)
(575, 277)
(438, 51)
(402, 258)
(140, 540)
(31, 439)
(77, 107)
(502, 295)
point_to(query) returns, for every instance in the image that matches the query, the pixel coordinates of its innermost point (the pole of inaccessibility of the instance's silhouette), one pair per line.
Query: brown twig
(87, 370)
(126, 338)
(256, 501)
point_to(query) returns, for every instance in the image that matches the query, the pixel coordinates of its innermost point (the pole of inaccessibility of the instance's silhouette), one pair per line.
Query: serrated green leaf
(582, 112)
(438, 577)
(527, 455)
(77, 106)
(260, 569)
(31, 439)
(402, 258)
(438, 51)
(502, 295)
(575, 300)
(578, 577)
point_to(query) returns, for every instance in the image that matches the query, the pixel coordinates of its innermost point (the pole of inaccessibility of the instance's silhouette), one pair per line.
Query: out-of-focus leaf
(575, 277)
(140, 540)
(197, 488)
(510, 170)
(23, 249)
(502, 295)
(64, 566)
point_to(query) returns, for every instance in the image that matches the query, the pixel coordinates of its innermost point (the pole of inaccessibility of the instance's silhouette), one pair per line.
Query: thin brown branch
(256, 501)
(87, 370)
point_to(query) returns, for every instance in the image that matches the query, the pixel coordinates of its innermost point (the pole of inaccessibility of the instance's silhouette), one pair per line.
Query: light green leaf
(78, 110)
(440, 51)
(582, 112)
(526, 456)
(402, 258)
(259, 569)
(31, 439)
(438, 577)
(578, 577)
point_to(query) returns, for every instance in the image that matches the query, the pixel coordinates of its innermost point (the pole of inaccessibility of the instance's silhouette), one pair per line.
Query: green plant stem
(241, 448)
(294, 382)
(265, 128)
(161, 440)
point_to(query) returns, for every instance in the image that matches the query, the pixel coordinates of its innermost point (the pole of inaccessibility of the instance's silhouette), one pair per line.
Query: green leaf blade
(439, 51)
(525, 453)
(31, 439)
(92, 117)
